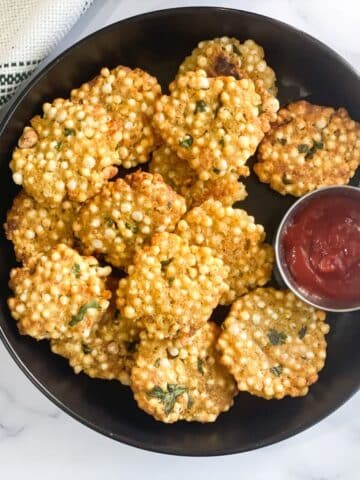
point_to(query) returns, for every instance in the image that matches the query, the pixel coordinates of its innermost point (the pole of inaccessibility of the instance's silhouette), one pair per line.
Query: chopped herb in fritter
(186, 142)
(277, 370)
(200, 106)
(277, 338)
(75, 319)
(168, 397)
(302, 332)
(76, 270)
(69, 131)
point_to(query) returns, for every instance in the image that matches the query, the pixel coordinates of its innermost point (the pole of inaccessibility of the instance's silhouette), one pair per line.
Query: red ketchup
(322, 247)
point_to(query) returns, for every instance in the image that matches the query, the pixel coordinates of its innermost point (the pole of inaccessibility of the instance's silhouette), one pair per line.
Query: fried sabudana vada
(125, 214)
(213, 123)
(273, 343)
(60, 294)
(308, 147)
(172, 287)
(183, 383)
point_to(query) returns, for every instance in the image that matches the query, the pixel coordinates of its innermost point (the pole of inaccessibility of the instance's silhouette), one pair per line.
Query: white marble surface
(39, 441)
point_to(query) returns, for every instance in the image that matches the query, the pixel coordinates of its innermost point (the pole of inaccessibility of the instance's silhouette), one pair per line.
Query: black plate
(158, 42)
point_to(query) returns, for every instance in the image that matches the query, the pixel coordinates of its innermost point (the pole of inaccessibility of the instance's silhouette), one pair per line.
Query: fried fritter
(129, 96)
(59, 294)
(184, 382)
(236, 239)
(108, 352)
(172, 287)
(228, 57)
(213, 123)
(35, 228)
(183, 179)
(309, 147)
(125, 214)
(273, 343)
(68, 153)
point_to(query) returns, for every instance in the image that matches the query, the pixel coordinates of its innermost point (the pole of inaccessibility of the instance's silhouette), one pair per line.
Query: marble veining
(37, 440)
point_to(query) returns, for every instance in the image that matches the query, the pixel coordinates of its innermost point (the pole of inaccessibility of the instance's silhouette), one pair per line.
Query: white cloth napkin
(29, 30)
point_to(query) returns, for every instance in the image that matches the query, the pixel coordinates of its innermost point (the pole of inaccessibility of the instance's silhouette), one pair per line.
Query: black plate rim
(24, 368)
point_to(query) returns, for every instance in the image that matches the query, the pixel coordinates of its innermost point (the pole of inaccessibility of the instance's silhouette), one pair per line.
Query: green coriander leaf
(318, 145)
(168, 398)
(236, 50)
(187, 141)
(132, 227)
(157, 363)
(76, 270)
(85, 348)
(109, 222)
(260, 109)
(190, 402)
(302, 332)
(277, 370)
(75, 319)
(282, 141)
(216, 170)
(69, 131)
(277, 338)
(303, 148)
(310, 153)
(174, 391)
(200, 366)
(200, 106)
(169, 205)
(169, 403)
(171, 280)
(157, 392)
(58, 146)
(222, 142)
(171, 387)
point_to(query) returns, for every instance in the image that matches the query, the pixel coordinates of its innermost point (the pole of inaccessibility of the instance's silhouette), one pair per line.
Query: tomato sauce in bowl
(318, 248)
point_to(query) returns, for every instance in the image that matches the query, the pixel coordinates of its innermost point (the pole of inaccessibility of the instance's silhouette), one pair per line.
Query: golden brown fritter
(35, 228)
(309, 147)
(128, 96)
(177, 173)
(213, 123)
(273, 343)
(234, 237)
(172, 287)
(182, 383)
(67, 153)
(125, 214)
(228, 57)
(60, 294)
